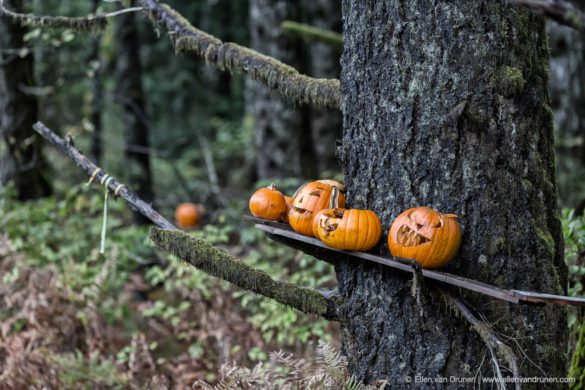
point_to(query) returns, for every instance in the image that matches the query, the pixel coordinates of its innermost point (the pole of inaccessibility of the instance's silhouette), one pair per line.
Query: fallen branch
(97, 174)
(558, 10)
(493, 343)
(200, 253)
(87, 23)
(233, 57)
(219, 263)
(312, 33)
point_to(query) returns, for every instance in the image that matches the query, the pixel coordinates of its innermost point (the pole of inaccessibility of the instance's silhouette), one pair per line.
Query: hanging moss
(233, 57)
(219, 263)
(88, 23)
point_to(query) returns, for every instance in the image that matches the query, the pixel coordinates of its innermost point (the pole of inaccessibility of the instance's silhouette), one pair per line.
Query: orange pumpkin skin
(354, 230)
(189, 215)
(425, 235)
(289, 202)
(309, 199)
(268, 203)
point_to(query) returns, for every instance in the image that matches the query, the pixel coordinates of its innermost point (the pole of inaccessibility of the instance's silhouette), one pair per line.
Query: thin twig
(560, 11)
(487, 334)
(90, 169)
(90, 22)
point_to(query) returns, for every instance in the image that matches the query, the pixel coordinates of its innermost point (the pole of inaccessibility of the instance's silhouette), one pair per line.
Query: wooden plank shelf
(277, 231)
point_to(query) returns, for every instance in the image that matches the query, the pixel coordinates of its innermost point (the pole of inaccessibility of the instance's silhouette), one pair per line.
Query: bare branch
(493, 343)
(200, 253)
(558, 10)
(233, 57)
(90, 23)
(312, 33)
(92, 170)
(219, 263)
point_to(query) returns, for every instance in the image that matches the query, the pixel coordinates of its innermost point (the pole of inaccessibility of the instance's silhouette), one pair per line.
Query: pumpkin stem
(334, 198)
(272, 187)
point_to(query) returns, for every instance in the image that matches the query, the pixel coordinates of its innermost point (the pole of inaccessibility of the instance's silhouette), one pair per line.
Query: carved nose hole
(419, 226)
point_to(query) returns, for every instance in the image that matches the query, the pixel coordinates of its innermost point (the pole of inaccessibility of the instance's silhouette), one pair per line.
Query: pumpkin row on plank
(318, 209)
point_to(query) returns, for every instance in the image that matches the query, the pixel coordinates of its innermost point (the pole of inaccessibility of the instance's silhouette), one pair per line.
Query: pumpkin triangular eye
(419, 226)
(315, 193)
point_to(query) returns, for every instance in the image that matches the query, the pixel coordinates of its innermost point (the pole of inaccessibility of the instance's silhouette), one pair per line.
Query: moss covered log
(233, 57)
(219, 263)
(87, 23)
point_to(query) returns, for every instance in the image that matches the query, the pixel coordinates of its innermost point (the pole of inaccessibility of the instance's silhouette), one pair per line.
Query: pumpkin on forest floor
(268, 203)
(425, 235)
(189, 215)
(308, 200)
(347, 229)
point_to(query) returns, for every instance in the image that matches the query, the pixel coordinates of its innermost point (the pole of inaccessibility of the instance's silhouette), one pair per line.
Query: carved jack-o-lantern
(425, 235)
(309, 199)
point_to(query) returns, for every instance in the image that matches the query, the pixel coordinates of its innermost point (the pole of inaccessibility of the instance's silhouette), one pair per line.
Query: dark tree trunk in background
(567, 87)
(130, 94)
(96, 104)
(326, 124)
(406, 66)
(20, 150)
(283, 141)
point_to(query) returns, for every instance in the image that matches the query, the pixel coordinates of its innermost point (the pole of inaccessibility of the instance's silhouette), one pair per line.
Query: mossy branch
(312, 33)
(560, 11)
(233, 57)
(85, 23)
(219, 263)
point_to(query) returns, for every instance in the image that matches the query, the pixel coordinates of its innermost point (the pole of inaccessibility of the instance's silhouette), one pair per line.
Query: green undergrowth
(181, 317)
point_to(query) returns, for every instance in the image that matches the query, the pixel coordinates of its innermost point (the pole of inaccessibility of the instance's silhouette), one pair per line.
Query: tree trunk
(282, 142)
(446, 105)
(326, 124)
(96, 104)
(130, 94)
(20, 150)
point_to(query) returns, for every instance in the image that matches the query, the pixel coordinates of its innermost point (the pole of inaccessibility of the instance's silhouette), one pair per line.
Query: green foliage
(93, 372)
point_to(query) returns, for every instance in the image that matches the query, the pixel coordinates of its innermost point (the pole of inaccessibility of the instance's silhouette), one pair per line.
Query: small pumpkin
(289, 202)
(425, 235)
(348, 229)
(189, 215)
(268, 203)
(309, 199)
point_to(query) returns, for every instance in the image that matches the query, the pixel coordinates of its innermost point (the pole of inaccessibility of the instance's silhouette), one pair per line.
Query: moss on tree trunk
(446, 105)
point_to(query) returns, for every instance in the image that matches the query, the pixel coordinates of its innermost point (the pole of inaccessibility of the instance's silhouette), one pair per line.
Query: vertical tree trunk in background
(567, 86)
(130, 94)
(20, 150)
(326, 124)
(446, 105)
(282, 140)
(96, 92)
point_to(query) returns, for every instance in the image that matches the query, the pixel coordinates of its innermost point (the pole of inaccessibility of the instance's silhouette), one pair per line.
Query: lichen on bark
(425, 125)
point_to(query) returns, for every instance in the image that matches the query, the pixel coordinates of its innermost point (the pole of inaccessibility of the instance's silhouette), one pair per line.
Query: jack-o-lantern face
(425, 235)
(309, 199)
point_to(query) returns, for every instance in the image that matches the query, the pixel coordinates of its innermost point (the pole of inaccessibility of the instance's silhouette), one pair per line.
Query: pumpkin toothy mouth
(408, 237)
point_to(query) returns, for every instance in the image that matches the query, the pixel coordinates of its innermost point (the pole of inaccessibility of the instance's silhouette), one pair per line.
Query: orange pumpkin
(309, 199)
(189, 215)
(425, 235)
(354, 230)
(289, 202)
(268, 203)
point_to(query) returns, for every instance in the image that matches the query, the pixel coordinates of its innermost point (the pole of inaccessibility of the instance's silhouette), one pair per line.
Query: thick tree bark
(326, 124)
(446, 105)
(20, 152)
(281, 136)
(130, 94)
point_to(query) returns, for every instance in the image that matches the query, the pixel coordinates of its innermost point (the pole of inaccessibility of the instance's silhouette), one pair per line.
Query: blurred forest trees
(179, 130)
